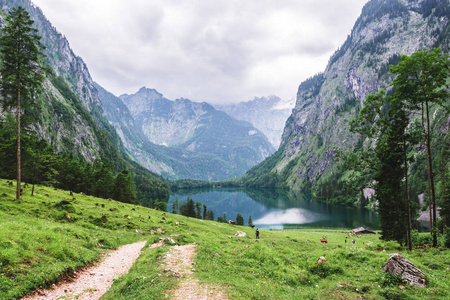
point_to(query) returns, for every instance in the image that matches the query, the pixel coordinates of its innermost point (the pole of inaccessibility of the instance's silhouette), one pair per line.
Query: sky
(217, 51)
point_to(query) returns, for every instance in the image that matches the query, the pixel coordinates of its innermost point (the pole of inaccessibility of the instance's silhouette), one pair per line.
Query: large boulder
(398, 265)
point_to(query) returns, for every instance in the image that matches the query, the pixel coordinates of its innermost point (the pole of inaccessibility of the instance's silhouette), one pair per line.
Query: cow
(232, 222)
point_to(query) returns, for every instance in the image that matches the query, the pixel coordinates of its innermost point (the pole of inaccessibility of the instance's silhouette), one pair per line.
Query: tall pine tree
(21, 69)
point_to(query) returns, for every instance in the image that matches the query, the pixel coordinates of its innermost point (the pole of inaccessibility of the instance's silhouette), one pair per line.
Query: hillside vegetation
(50, 235)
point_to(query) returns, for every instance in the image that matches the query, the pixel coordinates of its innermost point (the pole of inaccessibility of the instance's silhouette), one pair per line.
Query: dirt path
(179, 262)
(93, 282)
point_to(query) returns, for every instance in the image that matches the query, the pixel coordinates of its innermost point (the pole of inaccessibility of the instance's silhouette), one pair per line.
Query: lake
(271, 209)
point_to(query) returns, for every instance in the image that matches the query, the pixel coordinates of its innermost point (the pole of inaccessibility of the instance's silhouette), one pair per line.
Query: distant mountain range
(177, 139)
(184, 139)
(268, 114)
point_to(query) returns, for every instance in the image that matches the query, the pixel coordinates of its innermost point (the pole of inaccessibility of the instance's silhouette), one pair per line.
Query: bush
(392, 280)
(447, 237)
(421, 239)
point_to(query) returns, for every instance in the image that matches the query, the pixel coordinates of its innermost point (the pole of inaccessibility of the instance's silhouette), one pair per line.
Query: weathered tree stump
(398, 265)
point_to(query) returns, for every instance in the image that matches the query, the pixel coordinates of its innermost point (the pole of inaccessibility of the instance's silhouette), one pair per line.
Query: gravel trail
(93, 282)
(179, 263)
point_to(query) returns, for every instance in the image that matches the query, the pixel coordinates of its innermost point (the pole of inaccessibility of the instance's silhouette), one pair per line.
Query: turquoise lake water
(278, 209)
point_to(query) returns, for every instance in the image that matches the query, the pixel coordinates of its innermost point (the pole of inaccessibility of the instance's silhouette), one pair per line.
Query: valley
(365, 143)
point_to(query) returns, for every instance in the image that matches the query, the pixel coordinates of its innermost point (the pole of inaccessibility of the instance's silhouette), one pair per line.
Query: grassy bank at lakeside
(48, 236)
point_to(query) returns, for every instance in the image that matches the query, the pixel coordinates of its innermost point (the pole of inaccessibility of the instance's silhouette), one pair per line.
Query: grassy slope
(38, 246)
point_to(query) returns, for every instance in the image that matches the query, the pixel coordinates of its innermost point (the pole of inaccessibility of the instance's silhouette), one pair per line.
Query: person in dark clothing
(257, 233)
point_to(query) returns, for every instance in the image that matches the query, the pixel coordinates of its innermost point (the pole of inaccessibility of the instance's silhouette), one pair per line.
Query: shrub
(421, 239)
(447, 237)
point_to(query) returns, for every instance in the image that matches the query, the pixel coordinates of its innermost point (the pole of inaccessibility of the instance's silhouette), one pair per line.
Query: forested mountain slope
(327, 101)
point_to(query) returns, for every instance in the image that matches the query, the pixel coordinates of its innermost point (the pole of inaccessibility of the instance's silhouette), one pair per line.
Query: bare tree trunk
(407, 198)
(430, 176)
(18, 146)
(428, 179)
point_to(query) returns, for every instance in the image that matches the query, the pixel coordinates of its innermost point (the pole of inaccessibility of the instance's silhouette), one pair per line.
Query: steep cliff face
(64, 121)
(268, 114)
(326, 102)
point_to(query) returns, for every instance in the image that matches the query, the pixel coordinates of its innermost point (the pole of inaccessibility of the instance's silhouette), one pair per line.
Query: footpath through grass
(48, 236)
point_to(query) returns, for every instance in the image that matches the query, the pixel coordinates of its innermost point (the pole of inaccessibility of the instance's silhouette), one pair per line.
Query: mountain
(70, 115)
(327, 101)
(268, 114)
(184, 139)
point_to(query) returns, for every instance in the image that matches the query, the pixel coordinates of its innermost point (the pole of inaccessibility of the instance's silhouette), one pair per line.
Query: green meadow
(48, 236)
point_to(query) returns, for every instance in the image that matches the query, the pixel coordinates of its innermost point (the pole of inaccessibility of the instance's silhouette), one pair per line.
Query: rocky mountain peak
(326, 102)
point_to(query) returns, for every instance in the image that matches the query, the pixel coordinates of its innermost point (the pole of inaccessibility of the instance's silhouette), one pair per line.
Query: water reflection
(289, 216)
(274, 209)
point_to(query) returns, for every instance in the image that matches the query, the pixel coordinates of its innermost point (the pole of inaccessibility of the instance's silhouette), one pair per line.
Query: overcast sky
(216, 51)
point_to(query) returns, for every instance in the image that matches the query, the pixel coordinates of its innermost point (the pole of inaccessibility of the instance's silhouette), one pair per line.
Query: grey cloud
(216, 51)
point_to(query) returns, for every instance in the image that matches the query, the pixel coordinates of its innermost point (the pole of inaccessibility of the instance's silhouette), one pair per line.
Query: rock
(240, 233)
(321, 260)
(170, 240)
(177, 274)
(139, 231)
(398, 265)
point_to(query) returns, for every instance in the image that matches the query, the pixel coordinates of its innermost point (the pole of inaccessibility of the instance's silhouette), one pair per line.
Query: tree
(205, 212)
(123, 189)
(389, 176)
(239, 220)
(210, 215)
(189, 209)
(422, 80)
(198, 210)
(21, 70)
(385, 120)
(250, 221)
(175, 206)
(43, 163)
(103, 181)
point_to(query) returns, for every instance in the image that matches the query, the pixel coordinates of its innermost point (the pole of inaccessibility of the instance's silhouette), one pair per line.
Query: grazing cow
(232, 222)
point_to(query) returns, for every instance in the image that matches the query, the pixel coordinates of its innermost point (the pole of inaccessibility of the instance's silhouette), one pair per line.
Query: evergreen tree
(250, 221)
(389, 176)
(198, 210)
(205, 212)
(104, 181)
(190, 208)
(123, 188)
(422, 80)
(210, 215)
(175, 206)
(8, 154)
(386, 121)
(44, 165)
(21, 69)
(239, 220)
